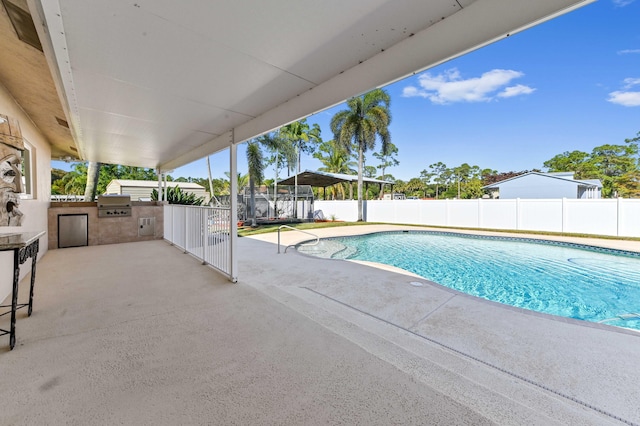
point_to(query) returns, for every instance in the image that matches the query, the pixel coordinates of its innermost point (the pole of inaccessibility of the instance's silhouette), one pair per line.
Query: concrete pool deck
(140, 333)
(591, 363)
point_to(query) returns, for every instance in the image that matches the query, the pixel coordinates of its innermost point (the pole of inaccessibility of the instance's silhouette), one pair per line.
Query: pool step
(328, 249)
(630, 316)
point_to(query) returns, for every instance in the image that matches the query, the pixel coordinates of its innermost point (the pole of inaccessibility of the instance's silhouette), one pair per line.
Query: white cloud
(519, 89)
(628, 51)
(622, 3)
(449, 86)
(630, 82)
(628, 99)
(410, 91)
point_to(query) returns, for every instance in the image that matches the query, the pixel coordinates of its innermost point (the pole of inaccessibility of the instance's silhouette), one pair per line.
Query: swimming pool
(570, 280)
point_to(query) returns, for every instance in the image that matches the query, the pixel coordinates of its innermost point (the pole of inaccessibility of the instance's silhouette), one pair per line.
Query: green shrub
(175, 195)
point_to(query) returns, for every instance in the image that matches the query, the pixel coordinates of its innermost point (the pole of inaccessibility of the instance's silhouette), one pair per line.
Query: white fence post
(564, 214)
(618, 215)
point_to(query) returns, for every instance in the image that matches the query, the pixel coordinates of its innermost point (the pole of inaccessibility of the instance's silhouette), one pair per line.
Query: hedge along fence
(618, 217)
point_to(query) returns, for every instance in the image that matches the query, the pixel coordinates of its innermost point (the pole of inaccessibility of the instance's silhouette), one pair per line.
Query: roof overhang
(589, 183)
(160, 83)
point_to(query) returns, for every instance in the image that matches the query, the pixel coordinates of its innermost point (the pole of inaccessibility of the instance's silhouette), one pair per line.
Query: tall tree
(304, 140)
(243, 181)
(256, 168)
(575, 161)
(613, 162)
(302, 137)
(616, 166)
(93, 171)
(282, 153)
(366, 119)
(438, 171)
(387, 159)
(335, 159)
(426, 177)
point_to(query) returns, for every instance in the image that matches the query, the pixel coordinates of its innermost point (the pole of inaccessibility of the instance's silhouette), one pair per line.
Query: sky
(572, 83)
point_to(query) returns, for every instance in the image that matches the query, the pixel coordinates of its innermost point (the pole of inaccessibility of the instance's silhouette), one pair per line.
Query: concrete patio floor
(141, 333)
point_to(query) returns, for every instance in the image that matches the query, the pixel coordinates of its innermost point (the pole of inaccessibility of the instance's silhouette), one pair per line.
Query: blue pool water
(556, 278)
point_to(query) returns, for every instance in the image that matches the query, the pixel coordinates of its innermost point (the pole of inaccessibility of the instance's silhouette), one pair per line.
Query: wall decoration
(11, 148)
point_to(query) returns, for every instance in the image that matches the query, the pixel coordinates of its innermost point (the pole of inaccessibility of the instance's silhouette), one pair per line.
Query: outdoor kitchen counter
(24, 245)
(109, 229)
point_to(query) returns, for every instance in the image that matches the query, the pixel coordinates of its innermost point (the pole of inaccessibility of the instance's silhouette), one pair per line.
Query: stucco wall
(35, 209)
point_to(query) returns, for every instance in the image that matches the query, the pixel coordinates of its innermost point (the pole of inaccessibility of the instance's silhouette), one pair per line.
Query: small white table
(24, 245)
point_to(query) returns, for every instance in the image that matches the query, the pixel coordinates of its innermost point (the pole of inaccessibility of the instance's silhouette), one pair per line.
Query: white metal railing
(299, 230)
(203, 232)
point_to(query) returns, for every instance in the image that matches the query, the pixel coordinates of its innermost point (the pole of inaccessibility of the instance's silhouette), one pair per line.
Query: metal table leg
(24, 246)
(14, 297)
(34, 248)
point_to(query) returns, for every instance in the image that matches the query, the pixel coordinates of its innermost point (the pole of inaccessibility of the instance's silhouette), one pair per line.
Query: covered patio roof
(161, 84)
(324, 179)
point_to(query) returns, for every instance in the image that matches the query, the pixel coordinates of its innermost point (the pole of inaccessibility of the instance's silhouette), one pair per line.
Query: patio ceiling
(159, 83)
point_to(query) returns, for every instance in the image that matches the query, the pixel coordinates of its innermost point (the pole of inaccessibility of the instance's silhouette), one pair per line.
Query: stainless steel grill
(114, 205)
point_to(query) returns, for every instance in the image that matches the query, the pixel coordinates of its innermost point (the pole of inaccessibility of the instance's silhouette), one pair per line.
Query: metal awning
(324, 179)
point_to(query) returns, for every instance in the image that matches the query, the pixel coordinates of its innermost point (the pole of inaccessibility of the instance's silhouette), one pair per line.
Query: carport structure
(160, 84)
(318, 179)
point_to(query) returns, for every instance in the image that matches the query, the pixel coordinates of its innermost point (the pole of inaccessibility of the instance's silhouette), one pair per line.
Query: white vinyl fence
(202, 232)
(612, 217)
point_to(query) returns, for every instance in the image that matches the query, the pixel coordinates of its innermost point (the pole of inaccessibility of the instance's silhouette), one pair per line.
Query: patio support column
(164, 189)
(159, 185)
(233, 206)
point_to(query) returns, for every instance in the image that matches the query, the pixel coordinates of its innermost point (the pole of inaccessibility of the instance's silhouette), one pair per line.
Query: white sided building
(547, 185)
(140, 190)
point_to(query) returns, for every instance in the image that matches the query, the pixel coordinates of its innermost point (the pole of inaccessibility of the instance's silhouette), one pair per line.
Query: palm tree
(75, 181)
(281, 152)
(304, 139)
(243, 181)
(256, 168)
(93, 172)
(335, 159)
(357, 127)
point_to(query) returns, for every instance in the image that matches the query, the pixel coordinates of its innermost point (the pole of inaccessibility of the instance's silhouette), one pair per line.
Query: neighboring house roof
(563, 176)
(322, 179)
(594, 182)
(154, 184)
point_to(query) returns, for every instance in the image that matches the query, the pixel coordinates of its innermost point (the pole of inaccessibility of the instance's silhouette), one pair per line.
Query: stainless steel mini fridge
(73, 230)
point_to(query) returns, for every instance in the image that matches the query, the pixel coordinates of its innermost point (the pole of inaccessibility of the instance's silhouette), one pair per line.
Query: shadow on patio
(140, 333)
